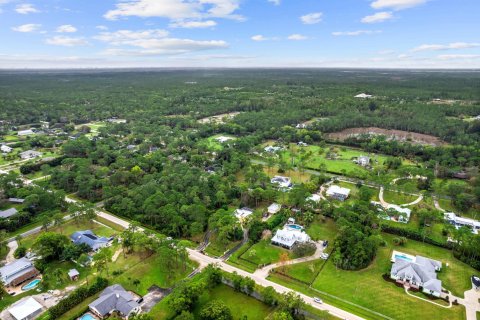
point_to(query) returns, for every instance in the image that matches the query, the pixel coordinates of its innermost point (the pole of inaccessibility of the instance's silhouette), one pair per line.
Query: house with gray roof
(115, 299)
(91, 239)
(30, 154)
(8, 213)
(18, 271)
(418, 273)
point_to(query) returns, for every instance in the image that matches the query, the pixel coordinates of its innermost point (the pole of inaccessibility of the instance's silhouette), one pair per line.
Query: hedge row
(76, 297)
(413, 235)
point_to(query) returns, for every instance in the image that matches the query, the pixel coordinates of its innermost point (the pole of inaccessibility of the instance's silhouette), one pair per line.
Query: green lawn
(235, 261)
(397, 197)
(263, 252)
(217, 249)
(368, 289)
(212, 144)
(323, 228)
(448, 206)
(241, 305)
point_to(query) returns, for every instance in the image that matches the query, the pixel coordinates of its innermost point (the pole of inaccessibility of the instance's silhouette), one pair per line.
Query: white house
(417, 272)
(30, 154)
(27, 132)
(314, 197)
(223, 139)
(290, 235)
(363, 96)
(242, 213)
(5, 149)
(337, 192)
(459, 222)
(272, 149)
(26, 309)
(363, 161)
(274, 208)
(404, 215)
(282, 182)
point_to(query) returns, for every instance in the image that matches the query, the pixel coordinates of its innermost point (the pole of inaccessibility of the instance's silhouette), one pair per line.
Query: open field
(413, 137)
(263, 253)
(212, 144)
(397, 197)
(219, 118)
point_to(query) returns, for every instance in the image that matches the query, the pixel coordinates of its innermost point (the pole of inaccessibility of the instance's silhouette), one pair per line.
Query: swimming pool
(403, 257)
(31, 285)
(87, 316)
(295, 226)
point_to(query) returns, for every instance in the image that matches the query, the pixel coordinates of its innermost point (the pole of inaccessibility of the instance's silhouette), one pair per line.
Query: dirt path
(116, 255)
(12, 246)
(437, 205)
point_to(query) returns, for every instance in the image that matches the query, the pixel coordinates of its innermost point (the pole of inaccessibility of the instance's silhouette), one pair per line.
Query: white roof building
(6, 149)
(289, 235)
(406, 211)
(26, 309)
(27, 132)
(363, 96)
(282, 182)
(338, 192)
(274, 208)
(314, 197)
(30, 154)
(459, 222)
(272, 149)
(223, 139)
(243, 213)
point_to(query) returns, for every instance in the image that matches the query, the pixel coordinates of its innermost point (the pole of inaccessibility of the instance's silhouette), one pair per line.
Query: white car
(317, 300)
(324, 256)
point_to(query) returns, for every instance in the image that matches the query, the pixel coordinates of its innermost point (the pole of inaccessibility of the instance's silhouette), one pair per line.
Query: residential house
(274, 208)
(402, 216)
(417, 272)
(91, 239)
(27, 132)
(26, 309)
(243, 213)
(45, 124)
(363, 96)
(314, 198)
(6, 149)
(363, 161)
(301, 126)
(223, 139)
(282, 182)
(30, 154)
(16, 200)
(18, 271)
(8, 213)
(459, 222)
(302, 144)
(290, 235)
(338, 193)
(272, 149)
(115, 299)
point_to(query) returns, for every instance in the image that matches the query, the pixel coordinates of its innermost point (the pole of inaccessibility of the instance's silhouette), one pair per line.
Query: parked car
(317, 300)
(324, 256)
(325, 243)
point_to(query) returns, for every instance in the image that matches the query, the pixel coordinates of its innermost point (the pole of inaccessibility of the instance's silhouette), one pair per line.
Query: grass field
(367, 287)
(448, 206)
(322, 229)
(263, 253)
(212, 144)
(397, 197)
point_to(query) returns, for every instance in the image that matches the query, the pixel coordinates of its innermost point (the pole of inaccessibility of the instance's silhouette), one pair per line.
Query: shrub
(20, 252)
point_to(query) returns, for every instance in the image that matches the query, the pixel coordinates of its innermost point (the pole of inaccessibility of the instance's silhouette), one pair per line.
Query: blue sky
(240, 33)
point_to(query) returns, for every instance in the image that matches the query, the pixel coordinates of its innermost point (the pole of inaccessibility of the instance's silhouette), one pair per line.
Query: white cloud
(312, 18)
(458, 56)
(396, 4)
(66, 28)
(26, 8)
(259, 37)
(450, 46)
(175, 9)
(193, 24)
(297, 37)
(378, 17)
(29, 27)
(275, 2)
(67, 41)
(355, 33)
(153, 42)
(101, 27)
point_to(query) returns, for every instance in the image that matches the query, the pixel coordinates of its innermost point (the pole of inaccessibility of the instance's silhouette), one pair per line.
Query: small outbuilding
(73, 274)
(26, 309)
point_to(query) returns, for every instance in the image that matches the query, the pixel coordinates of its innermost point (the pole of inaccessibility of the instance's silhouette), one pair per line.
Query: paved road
(204, 261)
